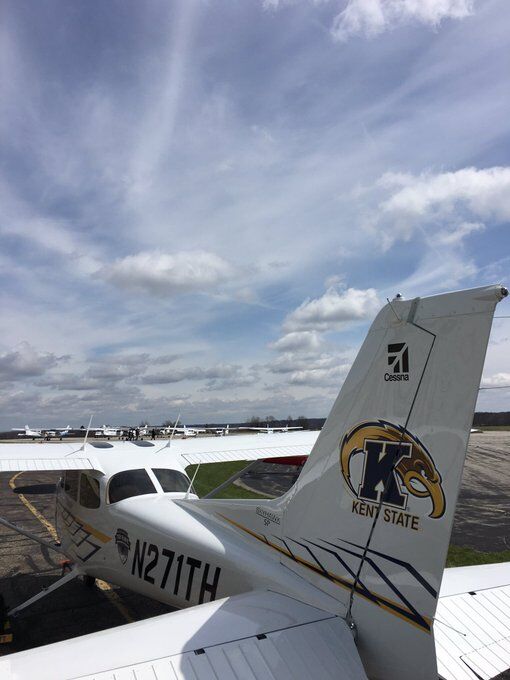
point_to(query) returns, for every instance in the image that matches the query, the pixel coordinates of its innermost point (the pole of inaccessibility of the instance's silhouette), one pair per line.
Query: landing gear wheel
(88, 581)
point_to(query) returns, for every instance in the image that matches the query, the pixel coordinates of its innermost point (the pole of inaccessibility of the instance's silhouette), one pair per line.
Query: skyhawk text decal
(268, 516)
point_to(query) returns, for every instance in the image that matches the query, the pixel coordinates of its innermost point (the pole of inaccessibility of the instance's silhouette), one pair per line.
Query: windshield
(129, 483)
(172, 480)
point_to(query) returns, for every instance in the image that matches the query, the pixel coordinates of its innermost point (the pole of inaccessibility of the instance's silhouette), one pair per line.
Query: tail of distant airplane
(370, 517)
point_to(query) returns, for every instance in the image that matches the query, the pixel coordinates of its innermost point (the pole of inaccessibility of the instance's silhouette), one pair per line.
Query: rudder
(370, 517)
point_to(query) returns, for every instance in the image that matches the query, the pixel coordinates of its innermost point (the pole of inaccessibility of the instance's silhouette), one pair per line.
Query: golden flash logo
(396, 465)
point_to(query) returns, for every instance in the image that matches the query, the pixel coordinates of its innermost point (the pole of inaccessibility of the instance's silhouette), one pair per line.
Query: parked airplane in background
(219, 431)
(107, 431)
(268, 429)
(189, 431)
(341, 577)
(222, 431)
(36, 433)
(184, 431)
(28, 432)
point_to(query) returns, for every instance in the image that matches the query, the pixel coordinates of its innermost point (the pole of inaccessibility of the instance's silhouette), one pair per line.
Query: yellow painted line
(114, 599)
(102, 585)
(47, 525)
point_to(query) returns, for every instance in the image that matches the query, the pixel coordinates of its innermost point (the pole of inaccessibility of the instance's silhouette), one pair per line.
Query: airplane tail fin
(370, 517)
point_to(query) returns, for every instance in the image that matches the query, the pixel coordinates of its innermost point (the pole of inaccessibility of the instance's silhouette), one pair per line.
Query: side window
(89, 492)
(71, 481)
(129, 483)
(172, 480)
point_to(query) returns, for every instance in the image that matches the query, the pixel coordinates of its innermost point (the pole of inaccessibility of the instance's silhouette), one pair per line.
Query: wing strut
(46, 591)
(35, 538)
(230, 480)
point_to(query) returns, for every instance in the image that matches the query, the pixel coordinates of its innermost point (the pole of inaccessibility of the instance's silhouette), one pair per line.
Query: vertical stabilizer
(370, 517)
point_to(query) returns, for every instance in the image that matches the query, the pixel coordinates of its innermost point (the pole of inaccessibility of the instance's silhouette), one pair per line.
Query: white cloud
(290, 362)
(373, 17)
(47, 235)
(24, 361)
(484, 192)
(218, 372)
(73, 382)
(311, 370)
(159, 273)
(298, 341)
(320, 376)
(446, 206)
(334, 310)
(455, 237)
(497, 380)
(445, 270)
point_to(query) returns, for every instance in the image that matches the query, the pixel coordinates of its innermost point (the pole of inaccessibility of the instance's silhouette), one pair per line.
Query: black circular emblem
(123, 544)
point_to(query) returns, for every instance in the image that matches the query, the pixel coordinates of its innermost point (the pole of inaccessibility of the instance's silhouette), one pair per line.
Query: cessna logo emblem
(378, 456)
(398, 362)
(123, 544)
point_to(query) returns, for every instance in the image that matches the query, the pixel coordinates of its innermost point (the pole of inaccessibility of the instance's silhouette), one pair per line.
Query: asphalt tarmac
(482, 522)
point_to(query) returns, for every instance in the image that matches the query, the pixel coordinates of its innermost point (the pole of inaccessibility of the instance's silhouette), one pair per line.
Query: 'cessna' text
(396, 376)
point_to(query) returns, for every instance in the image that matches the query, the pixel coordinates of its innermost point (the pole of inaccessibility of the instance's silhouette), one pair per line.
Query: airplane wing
(244, 447)
(40, 457)
(257, 635)
(472, 622)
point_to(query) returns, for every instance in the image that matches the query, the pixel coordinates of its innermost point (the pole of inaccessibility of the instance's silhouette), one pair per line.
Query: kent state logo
(123, 544)
(395, 462)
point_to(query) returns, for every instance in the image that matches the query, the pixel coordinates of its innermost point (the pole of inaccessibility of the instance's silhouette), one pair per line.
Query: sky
(204, 204)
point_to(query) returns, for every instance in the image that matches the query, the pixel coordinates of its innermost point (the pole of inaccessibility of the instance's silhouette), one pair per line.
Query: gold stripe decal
(411, 616)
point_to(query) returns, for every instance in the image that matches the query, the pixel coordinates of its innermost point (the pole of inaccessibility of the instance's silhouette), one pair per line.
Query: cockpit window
(71, 480)
(89, 492)
(172, 480)
(129, 483)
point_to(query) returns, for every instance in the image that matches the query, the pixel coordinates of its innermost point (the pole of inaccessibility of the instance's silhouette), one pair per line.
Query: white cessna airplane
(268, 429)
(107, 431)
(341, 577)
(186, 432)
(219, 431)
(30, 432)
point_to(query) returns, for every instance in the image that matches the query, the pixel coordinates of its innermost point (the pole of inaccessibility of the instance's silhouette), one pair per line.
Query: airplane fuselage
(156, 546)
